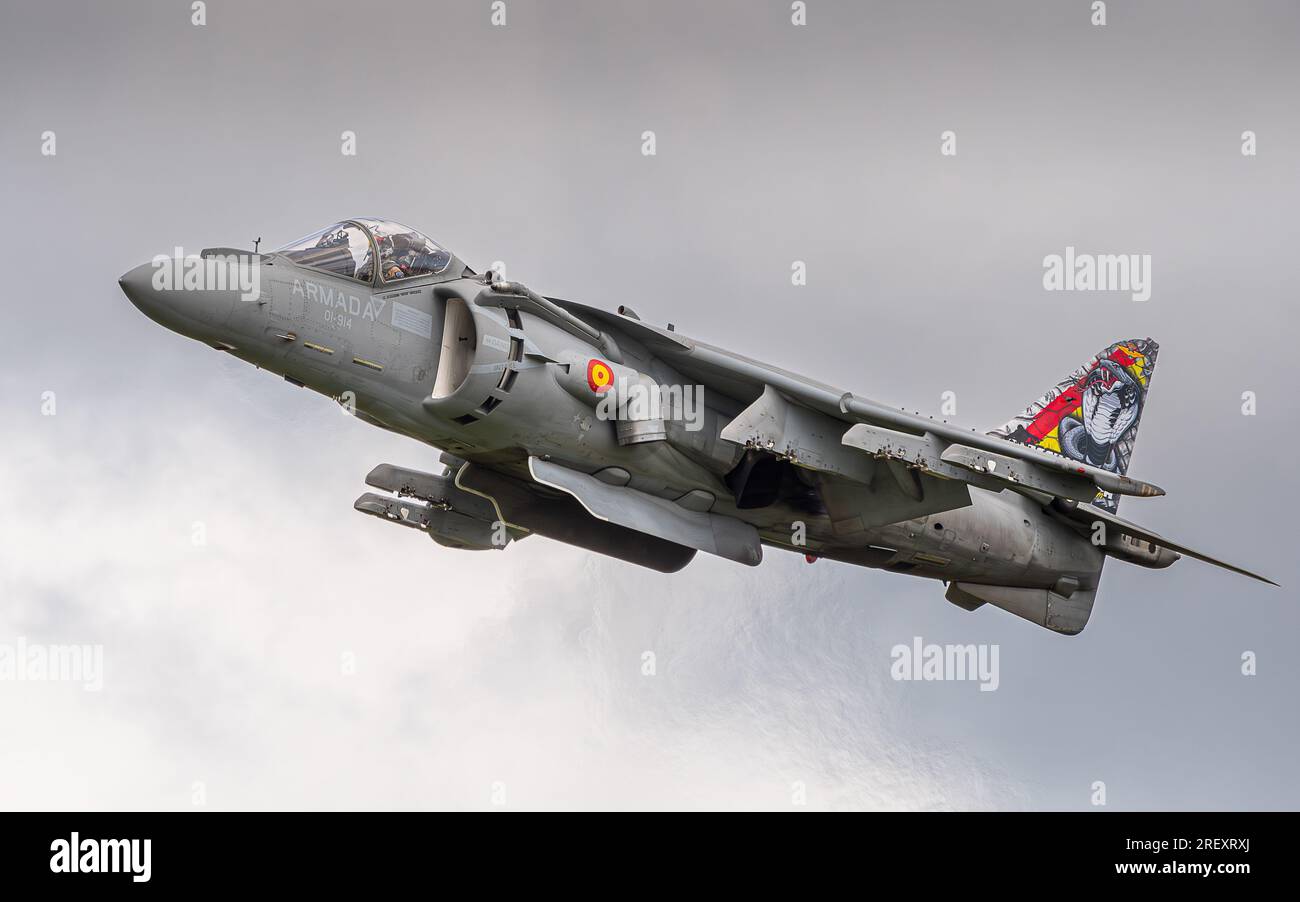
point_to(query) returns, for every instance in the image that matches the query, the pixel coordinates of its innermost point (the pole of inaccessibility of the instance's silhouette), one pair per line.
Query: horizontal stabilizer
(1092, 513)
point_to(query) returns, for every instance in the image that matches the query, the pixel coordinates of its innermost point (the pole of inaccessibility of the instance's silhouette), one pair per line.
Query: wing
(931, 449)
(876, 464)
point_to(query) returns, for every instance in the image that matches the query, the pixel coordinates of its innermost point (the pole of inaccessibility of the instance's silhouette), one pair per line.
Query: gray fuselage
(392, 352)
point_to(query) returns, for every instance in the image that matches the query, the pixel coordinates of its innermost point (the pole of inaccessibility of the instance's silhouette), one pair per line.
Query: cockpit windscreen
(342, 249)
(404, 253)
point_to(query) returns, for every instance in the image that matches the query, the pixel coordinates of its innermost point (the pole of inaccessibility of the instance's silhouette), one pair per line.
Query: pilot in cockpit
(345, 250)
(406, 254)
(396, 255)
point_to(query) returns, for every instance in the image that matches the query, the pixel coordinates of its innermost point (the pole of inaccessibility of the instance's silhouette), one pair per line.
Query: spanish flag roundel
(599, 375)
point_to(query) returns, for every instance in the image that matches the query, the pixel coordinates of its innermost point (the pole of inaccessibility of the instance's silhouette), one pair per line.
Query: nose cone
(137, 285)
(183, 304)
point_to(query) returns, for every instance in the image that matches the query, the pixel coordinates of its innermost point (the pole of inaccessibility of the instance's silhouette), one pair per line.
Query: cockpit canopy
(350, 249)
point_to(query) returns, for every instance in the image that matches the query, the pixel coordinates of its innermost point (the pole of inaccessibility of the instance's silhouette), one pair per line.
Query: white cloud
(223, 661)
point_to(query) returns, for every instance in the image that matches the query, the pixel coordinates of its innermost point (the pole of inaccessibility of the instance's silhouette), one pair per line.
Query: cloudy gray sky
(516, 677)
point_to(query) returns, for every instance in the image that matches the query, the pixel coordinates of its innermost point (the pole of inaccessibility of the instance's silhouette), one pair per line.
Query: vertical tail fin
(1092, 415)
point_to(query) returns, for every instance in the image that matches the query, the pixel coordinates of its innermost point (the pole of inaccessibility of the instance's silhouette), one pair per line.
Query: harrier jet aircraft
(600, 430)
